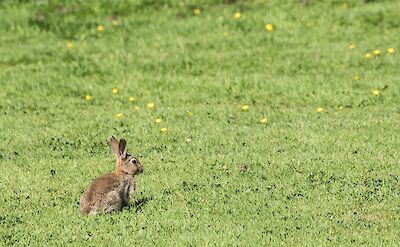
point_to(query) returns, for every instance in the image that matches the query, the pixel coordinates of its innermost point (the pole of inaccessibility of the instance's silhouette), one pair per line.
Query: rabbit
(112, 191)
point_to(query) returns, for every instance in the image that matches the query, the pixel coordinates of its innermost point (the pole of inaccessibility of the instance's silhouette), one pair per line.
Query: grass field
(323, 170)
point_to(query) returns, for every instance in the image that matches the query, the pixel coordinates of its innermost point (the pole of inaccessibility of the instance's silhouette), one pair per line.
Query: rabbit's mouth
(140, 169)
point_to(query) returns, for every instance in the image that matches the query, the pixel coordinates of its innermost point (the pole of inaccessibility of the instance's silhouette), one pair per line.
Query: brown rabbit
(112, 191)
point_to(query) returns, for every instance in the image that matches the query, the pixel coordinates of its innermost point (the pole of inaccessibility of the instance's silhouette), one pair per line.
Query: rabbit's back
(102, 195)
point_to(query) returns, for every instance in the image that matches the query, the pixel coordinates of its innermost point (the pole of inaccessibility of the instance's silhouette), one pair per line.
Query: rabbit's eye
(133, 161)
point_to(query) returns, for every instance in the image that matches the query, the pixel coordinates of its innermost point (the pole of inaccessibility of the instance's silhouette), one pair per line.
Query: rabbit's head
(125, 162)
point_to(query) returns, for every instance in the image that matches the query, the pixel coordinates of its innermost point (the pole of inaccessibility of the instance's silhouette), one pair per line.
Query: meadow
(259, 123)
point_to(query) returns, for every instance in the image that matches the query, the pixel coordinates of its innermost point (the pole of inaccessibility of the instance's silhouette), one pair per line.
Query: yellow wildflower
(114, 22)
(320, 109)
(196, 11)
(119, 115)
(114, 90)
(157, 120)
(367, 55)
(377, 52)
(226, 33)
(131, 99)
(136, 108)
(269, 27)
(376, 92)
(163, 130)
(190, 113)
(340, 107)
(245, 108)
(237, 15)
(352, 46)
(356, 77)
(70, 44)
(100, 28)
(88, 97)
(264, 120)
(390, 50)
(150, 105)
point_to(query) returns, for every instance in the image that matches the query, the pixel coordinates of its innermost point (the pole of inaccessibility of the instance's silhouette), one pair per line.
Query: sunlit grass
(257, 123)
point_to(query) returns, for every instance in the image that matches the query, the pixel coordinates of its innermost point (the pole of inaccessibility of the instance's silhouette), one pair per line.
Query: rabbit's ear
(114, 146)
(122, 148)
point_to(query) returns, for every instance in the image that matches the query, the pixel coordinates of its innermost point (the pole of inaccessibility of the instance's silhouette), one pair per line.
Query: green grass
(313, 179)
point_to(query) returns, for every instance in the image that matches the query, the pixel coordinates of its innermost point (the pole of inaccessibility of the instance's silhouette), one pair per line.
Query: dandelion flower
(114, 22)
(131, 99)
(100, 28)
(70, 45)
(188, 140)
(237, 15)
(88, 97)
(157, 120)
(356, 77)
(352, 46)
(269, 27)
(340, 107)
(390, 50)
(163, 130)
(368, 55)
(320, 109)
(196, 11)
(245, 107)
(151, 105)
(136, 108)
(114, 90)
(189, 113)
(226, 34)
(377, 52)
(119, 116)
(264, 120)
(376, 92)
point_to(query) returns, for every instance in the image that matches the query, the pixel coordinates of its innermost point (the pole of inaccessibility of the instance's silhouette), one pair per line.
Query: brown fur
(112, 191)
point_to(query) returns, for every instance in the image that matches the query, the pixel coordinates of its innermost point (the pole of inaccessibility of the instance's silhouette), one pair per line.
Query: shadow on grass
(138, 205)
